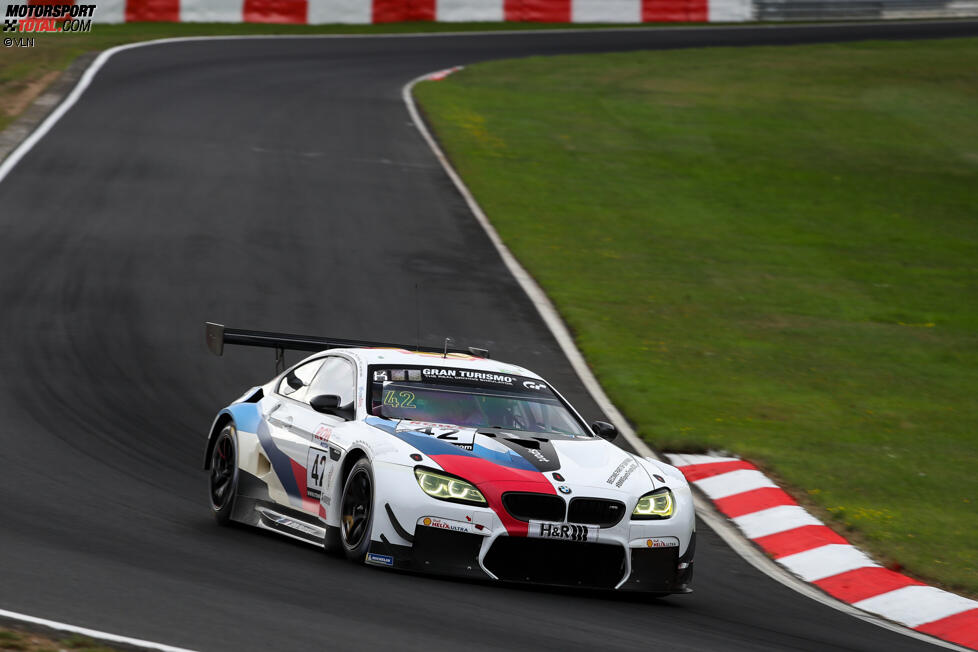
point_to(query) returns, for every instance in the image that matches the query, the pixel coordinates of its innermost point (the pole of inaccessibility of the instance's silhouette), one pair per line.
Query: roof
(371, 356)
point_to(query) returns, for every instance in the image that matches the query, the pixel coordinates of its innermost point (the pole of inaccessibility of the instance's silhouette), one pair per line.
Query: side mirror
(604, 430)
(294, 381)
(330, 404)
(325, 403)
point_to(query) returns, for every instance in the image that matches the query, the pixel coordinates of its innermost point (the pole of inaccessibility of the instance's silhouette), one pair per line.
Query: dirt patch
(12, 104)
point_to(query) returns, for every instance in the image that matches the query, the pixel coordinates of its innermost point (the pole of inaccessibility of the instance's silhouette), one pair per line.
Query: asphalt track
(278, 184)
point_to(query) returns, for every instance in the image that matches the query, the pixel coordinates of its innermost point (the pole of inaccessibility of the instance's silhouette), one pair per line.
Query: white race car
(444, 462)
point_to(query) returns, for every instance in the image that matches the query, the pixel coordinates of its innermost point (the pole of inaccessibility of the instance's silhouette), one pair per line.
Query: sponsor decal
(323, 433)
(452, 526)
(380, 560)
(292, 523)
(562, 531)
(662, 542)
(445, 373)
(529, 384)
(564, 489)
(540, 456)
(622, 471)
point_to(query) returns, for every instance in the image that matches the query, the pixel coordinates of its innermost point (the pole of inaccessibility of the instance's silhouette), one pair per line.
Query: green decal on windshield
(399, 399)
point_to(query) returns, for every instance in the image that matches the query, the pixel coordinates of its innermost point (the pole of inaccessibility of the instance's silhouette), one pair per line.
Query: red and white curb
(812, 551)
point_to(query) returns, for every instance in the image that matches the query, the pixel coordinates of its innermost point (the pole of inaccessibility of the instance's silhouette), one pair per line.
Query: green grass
(771, 251)
(19, 67)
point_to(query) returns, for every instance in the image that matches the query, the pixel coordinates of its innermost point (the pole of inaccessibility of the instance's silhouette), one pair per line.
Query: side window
(336, 377)
(295, 384)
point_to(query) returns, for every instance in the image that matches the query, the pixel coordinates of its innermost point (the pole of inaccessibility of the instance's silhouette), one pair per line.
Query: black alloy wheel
(224, 474)
(356, 513)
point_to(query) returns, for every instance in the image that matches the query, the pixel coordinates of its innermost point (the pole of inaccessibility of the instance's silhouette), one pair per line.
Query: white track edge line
(91, 633)
(704, 508)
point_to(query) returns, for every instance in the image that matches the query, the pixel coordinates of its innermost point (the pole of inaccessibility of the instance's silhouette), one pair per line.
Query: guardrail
(551, 11)
(791, 10)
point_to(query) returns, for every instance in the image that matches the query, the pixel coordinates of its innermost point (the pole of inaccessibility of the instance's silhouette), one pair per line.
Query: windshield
(470, 398)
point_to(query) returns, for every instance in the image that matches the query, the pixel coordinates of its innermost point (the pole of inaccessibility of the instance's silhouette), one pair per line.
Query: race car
(443, 461)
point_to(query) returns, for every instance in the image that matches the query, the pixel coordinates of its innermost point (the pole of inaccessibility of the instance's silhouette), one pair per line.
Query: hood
(517, 456)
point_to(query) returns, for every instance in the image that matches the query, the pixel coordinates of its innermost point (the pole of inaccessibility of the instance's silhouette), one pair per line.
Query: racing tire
(223, 481)
(356, 511)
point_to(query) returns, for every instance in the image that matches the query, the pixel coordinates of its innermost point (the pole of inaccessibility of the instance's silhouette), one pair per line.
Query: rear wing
(218, 335)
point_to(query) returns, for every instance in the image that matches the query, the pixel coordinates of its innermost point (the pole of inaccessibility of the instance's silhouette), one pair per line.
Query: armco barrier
(386, 11)
(781, 10)
(550, 11)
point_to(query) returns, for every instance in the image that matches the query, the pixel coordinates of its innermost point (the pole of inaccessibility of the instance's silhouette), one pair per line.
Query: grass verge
(26, 71)
(772, 251)
(22, 641)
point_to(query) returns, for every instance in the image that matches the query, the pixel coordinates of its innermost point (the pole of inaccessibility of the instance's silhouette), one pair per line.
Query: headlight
(446, 487)
(658, 504)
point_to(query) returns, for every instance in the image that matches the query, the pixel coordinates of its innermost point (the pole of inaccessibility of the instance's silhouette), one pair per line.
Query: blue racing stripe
(433, 446)
(247, 417)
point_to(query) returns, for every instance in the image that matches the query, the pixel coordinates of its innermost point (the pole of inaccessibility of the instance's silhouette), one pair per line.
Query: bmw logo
(564, 489)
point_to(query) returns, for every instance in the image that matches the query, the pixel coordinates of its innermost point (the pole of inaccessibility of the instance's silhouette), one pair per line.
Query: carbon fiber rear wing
(218, 335)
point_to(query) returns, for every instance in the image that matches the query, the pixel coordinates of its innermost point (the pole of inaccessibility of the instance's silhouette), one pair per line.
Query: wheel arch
(223, 418)
(353, 456)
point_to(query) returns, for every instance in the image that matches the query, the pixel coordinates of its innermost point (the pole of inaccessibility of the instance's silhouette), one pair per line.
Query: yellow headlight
(658, 504)
(445, 487)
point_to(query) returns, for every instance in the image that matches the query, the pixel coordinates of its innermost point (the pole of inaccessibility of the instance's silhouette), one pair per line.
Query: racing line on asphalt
(278, 184)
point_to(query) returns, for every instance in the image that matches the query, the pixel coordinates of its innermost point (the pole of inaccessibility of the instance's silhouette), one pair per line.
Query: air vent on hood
(526, 443)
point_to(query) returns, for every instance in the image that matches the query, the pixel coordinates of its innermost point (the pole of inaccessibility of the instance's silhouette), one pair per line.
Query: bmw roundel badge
(564, 489)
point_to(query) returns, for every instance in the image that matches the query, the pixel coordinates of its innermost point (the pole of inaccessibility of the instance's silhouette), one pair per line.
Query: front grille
(565, 563)
(596, 511)
(536, 507)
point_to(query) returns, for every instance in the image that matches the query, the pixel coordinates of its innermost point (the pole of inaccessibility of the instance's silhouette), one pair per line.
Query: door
(318, 431)
(289, 447)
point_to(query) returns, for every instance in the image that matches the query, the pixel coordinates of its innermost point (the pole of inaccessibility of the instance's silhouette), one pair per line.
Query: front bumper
(491, 554)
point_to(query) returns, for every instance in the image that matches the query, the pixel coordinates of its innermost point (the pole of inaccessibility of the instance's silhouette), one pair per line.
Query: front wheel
(224, 474)
(356, 511)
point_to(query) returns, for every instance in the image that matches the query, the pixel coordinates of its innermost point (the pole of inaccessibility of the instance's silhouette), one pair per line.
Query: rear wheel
(224, 474)
(356, 511)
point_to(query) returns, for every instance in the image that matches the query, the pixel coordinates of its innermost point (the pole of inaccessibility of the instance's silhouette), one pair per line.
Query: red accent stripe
(493, 480)
(695, 472)
(276, 11)
(960, 628)
(395, 11)
(538, 11)
(669, 11)
(861, 583)
(752, 501)
(299, 472)
(797, 540)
